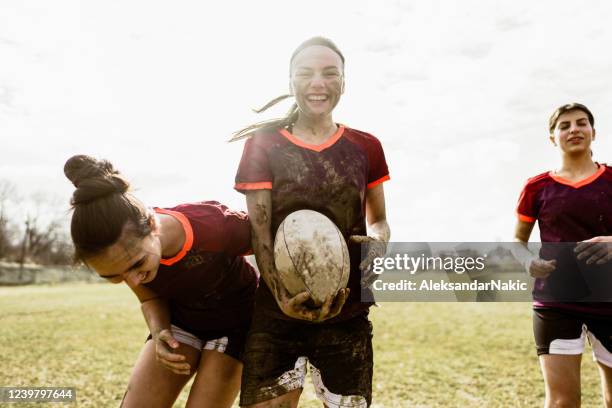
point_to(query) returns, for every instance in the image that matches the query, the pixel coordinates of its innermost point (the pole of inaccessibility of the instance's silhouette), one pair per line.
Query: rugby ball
(311, 255)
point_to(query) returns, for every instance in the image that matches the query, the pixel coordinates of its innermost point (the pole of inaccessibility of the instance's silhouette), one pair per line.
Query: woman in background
(570, 204)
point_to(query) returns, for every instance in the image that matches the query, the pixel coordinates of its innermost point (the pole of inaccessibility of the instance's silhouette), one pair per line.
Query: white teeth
(317, 98)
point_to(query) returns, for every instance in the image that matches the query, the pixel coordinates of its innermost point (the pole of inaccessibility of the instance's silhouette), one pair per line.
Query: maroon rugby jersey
(209, 285)
(568, 212)
(331, 178)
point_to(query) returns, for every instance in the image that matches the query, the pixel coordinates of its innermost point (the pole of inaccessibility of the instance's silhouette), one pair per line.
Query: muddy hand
(165, 343)
(596, 250)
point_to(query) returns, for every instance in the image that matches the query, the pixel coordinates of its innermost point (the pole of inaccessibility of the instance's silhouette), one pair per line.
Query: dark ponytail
(293, 113)
(272, 124)
(102, 206)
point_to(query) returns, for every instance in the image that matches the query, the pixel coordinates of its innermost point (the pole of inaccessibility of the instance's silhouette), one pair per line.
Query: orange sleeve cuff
(379, 181)
(525, 218)
(264, 185)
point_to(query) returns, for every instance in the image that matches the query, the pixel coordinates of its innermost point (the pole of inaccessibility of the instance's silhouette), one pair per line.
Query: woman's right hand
(540, 268)
(165, 343)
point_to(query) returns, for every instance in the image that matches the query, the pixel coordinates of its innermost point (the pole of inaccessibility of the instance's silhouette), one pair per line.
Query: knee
(564, 399)
(607, 396)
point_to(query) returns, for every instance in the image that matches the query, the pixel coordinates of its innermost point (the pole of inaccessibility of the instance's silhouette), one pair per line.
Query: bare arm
(259, 205)
(379, 231)
(536, 267)
(154, 309)
(522, 231)
(376, 214)
(156, 313)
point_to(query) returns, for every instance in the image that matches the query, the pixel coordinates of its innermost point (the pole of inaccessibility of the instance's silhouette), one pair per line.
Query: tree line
(33, 229)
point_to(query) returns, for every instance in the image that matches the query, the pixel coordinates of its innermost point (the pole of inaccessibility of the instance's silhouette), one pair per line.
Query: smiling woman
(572, 204)
(185, 264)
(132, 260)
(307, 161)
(327, 68)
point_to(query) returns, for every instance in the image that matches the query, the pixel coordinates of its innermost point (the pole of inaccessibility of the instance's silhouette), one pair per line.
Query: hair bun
(93, 179)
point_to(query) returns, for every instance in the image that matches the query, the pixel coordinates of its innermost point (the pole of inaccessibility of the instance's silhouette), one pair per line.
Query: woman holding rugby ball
(185, 265)
(571, 204)
(308, 161)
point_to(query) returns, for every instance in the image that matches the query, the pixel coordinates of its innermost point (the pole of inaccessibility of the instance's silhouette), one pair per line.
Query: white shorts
(564, 332)
(576, 346)
(189, 339)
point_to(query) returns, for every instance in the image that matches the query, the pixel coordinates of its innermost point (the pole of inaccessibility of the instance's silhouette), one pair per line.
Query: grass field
(426, 354)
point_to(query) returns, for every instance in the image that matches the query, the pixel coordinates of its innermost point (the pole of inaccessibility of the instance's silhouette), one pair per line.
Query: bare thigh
(217, 381)
(288, 400)
(152, 385)
(606, 383)
(562, 379)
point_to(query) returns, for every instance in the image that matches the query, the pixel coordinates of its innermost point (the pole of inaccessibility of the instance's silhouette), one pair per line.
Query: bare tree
(33, 229)
(8, 192)
(44, 240)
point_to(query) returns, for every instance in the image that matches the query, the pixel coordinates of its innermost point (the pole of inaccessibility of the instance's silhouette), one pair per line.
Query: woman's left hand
(376, 248)
(596, 250)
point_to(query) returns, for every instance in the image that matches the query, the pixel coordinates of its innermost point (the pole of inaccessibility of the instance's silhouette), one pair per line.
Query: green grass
(426, 354)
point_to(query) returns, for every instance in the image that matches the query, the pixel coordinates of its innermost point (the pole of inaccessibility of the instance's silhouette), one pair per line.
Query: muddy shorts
(339, 354)
(559, 331)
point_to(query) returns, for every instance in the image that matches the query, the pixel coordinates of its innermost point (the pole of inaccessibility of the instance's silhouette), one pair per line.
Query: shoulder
(213, 227)
(205, 212)
(195, 209)
(359, 135)
(265, 137)
(364, 140)
(210, 223)
(607, 173)
(537, 182)
(528, 200)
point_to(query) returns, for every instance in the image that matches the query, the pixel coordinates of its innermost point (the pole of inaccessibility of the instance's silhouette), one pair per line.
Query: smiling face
(573, 133)
(317, 80)
(131, 259)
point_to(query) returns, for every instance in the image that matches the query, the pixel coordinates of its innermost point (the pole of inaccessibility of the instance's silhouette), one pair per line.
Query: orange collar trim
(317, 148)
(580, 183)
(188, 236)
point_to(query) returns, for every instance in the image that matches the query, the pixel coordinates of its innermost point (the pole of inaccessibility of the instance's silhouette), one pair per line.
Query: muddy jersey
(331, 178)
(568, 212)
(209, 285)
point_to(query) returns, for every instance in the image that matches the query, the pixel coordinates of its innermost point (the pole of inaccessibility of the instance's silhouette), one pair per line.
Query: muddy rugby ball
(311, 255)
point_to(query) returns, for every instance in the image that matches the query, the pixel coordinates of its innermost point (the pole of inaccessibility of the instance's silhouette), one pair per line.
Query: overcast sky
(459, 93)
